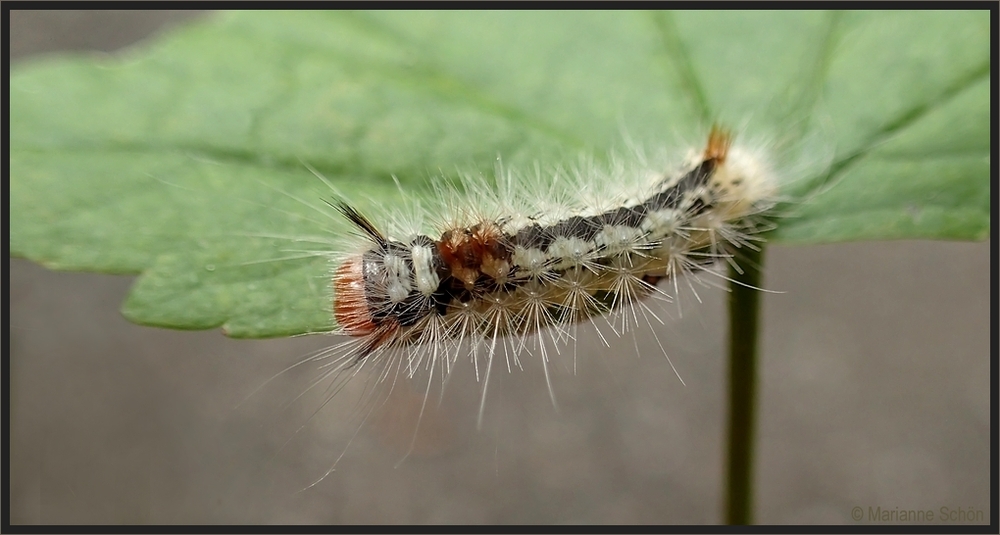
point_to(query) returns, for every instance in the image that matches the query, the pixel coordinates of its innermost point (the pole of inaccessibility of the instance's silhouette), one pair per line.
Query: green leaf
(186, 159)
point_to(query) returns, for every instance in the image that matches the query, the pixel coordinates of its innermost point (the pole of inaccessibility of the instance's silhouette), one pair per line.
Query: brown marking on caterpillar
(470, 252)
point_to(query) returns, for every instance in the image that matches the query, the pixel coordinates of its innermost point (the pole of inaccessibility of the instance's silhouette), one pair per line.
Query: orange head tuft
(719, 140)
(350, 307)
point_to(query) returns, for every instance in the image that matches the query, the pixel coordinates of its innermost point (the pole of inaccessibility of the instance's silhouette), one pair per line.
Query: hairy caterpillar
(522, 264)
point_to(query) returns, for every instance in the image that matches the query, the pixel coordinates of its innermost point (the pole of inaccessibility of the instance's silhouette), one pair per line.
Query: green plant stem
(744, 306)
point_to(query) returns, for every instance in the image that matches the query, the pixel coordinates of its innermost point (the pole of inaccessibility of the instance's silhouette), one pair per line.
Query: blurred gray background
(875, 392)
